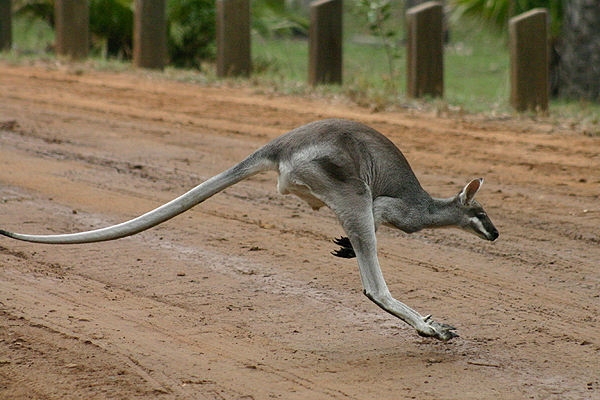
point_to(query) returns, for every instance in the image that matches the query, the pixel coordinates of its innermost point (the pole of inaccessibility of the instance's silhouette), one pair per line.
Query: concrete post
(72, 23)
(5, 25)
(325, 42)
(150, 34)
(233, 38)
(529, 60)
(425, 50)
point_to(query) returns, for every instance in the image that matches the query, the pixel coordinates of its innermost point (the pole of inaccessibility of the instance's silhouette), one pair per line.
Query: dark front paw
(346, 250)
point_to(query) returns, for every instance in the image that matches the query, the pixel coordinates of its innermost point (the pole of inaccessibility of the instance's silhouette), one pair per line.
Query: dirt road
(240, 298)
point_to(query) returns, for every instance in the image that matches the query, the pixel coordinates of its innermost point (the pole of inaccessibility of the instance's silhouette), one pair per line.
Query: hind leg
(354, 208)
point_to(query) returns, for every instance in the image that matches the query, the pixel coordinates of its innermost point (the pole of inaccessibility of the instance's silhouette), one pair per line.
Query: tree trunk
(579, 50)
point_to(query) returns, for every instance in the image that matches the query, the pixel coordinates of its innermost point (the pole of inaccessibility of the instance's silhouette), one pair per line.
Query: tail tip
(5, 233)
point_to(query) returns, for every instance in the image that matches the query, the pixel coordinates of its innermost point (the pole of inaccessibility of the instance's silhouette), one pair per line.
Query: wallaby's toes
(344, 252)
(438, 330)
(343, 241)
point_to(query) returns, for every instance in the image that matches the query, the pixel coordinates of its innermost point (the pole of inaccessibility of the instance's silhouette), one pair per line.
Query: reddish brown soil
(240, 298)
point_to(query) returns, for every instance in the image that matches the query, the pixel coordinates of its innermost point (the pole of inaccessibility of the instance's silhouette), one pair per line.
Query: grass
(476, 70)
(476, 76)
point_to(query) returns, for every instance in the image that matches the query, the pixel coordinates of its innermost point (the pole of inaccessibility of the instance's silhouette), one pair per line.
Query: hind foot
(436, 329)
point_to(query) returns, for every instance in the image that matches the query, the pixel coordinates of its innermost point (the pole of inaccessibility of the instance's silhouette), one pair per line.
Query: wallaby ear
(468, 193)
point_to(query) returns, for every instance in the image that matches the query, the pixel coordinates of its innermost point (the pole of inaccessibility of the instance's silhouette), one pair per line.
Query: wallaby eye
(480, 215)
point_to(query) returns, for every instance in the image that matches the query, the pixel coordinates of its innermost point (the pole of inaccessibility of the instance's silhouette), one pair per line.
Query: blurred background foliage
(191, 31)
(277, 18)
(496, 13)
(191, 27)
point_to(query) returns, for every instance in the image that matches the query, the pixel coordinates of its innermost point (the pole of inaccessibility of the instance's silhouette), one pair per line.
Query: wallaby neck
(414, 215)
(441, 213)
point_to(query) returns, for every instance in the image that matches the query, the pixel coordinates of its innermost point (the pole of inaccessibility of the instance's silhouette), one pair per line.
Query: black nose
(493, 235)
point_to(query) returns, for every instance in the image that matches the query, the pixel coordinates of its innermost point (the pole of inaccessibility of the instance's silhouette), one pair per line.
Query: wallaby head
(473, 217)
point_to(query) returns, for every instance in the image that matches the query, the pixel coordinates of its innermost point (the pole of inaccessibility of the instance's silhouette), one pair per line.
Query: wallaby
(355, 171)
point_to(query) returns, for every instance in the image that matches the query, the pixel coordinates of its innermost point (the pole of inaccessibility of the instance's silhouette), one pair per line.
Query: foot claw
(437, 330)
(343, 241)
(346, 250)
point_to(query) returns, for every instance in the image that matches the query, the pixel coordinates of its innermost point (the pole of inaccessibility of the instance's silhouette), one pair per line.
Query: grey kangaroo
(355, 171)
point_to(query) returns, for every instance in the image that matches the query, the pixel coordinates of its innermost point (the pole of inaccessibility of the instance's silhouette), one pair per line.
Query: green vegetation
(497, 12)
(476, 62)
(32, 35)
(476, 68)
(191, 33)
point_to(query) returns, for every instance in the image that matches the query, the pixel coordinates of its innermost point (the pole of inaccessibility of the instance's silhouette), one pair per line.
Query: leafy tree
(112, 20)
(498, 12)
(191, 31)
(37, 8)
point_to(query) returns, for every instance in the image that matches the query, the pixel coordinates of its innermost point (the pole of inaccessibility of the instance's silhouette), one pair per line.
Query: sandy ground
(240, 297)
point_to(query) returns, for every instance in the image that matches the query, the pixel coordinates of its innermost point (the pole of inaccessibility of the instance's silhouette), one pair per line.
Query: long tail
(252, 165)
